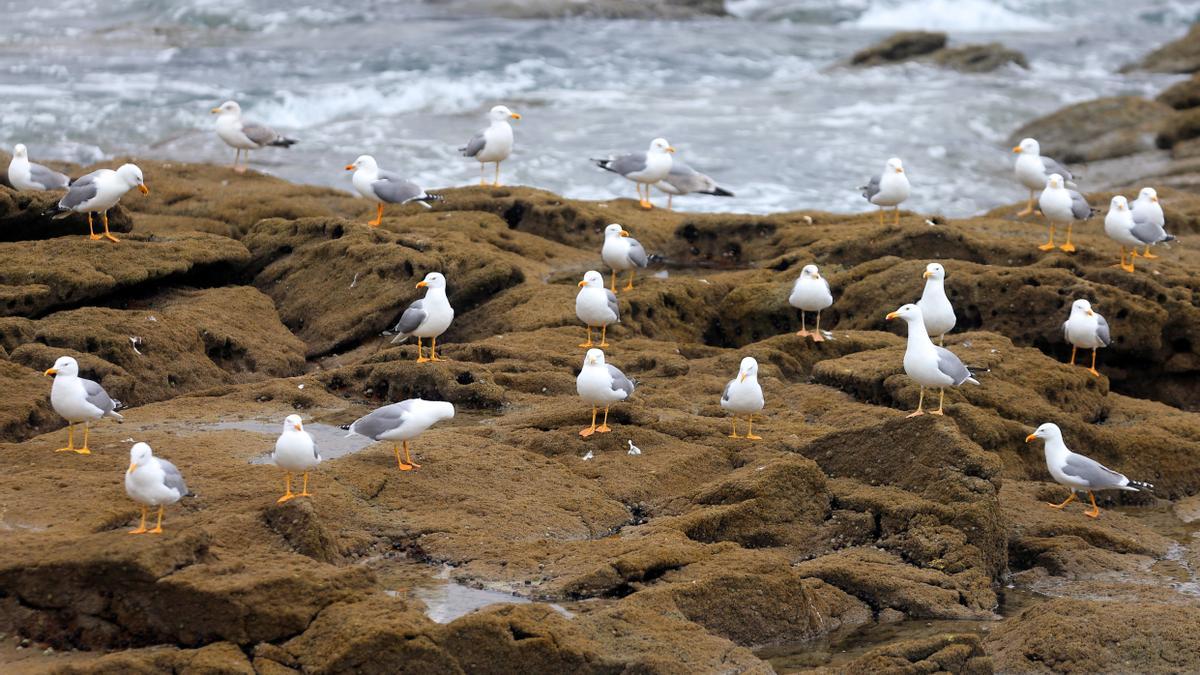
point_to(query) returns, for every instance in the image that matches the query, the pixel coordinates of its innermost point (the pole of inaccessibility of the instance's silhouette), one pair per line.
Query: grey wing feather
(827, 288)
(382, 420)
(627, 164)
(49, 179)
(620, 382)
(1052, 166)
(259, 134)
(1065, 336)
(1079, 206)
(98, 397)
(172, 478)
(612, 303)
(1096, 474)
(411, 319)
(1102, 330)
(474, 145)
(1146, 231)
(637, 254)
(393, 189)
(725, 394)
(316, 452)
(82, 190)
(872, 188)
(952, 366)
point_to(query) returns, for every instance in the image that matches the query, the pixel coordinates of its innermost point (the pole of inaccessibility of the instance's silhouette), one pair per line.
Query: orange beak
(1017, 149)
(349, 167)
(143, 189)
(1154, 199)
(927, 274)
(742, 378)
(582, 284)
(421, 284)
(900, 170)
(1030, 438)
(297, 426)
(49, 372)
(1091, 313)
(670, 149)
(515, 116)
(624, 233)
(215, 111)
(891, 315)
(132, 467)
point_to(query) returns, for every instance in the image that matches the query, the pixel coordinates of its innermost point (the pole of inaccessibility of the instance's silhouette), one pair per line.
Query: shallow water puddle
(447, 601)
(332, 441)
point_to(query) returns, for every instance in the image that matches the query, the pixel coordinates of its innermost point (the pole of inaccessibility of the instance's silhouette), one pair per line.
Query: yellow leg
(141, 528)
(408, 457)
(629, 286)
(1049, 245)
(1095, 512)
(84, 450)
(816, 336)
(733, 430)
(1093, 370)
(158, 526)
(107, 235)
(1073, 350)
(1064, 504)
(750, 429)
(420, 356)
(920, 404)
(897, 221)
(237, 156)
(942, 340)
(91, 228)
(603, 335)
(1068, 246)
(881, 215)
(304, 492)
(589, 342)
(433, 351)
(378, 216)
(614, 281)
(941, 399)
(1028, 207)
(404, 466)
(803, 332)
(1147, 254)
(287, 492)
(603, 428)
(497, 183)
(70, 439)
(592, 429)
(1127, 266)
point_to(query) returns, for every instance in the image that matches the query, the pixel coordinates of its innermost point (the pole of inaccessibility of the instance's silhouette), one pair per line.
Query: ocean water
(755, 100)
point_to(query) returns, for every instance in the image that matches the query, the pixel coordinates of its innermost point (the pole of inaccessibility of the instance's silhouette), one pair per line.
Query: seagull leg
(1073, 350)
(941, 399)
(897, 222)
(242, 167)
(107, 234)
(70, 439)
(881, 215)
(158, 526)
(589, 342)
(603, 335)
(920, 405)
(803, 331)
(433, 351)
(1064, 504)
(408, 457)
(614, 281)
(287, 493)
(1095, 512)
(604, 428)
(1093, 370)
(942, 340)
(816, 335)
(85, 450)
(669, 201)
(420, 357)
(142, 527)
(629, 286)
(304, 492)
(378, 216)
(592, 429)
(91, 229)
(750, 429)
(237, 155)
(482, 180)
(1068, 246)
(1028, 207)
(1147, 254)
(400, 462)
(1130, 267)
(497, 183)
(1048, 246)
(733, 431)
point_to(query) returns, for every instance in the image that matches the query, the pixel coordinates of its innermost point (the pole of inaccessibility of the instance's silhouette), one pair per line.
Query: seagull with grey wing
(926, 363)
(1062, 205)
(622, 252)
(152, 481)
(400, 423)
(97, 192)
(426, 317)
(1131, 229)
(596, 306)
(1078, 472)
(385, 187)
(1086, 329)
(889, 188)
(1032, 169)
(245, 136)
(684, 180)
(601, 384)
(78, 400)
(26, 175)
(493, 144)
(1148, 213)
(643, 168)
(295, 452)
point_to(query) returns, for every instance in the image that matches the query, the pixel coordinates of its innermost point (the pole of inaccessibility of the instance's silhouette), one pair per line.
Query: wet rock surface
(702, 554)
(931, 46)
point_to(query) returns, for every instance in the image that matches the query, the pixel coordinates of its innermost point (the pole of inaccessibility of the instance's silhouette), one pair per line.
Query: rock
(21, 217)
(1180, 56)
(1184, 126)
(946, 653)
(1182, 95)
(979, 58)
(899, 47)
(1098, 129)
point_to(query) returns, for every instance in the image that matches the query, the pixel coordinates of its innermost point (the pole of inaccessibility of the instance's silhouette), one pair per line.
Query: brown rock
(1098, 129)
(1180, 56)
(979, 58)
(899, 47)
(1184, 126)
(1182, 95)
(21, 217)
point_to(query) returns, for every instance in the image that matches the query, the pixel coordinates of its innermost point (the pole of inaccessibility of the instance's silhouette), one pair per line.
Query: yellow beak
(1017, 149)
(624, 233)
(515, 116)
(1154, 199)
(132, 467)
(1091, 313)
(297, 427)
(670, 149)
(50, 371)
(215, 111)
(421, 284)
(143, 189)
(927, 274)
(742, 378)
(900, 170)
(891, 315)
(1030, 438)
(582, 284)
(349, 167)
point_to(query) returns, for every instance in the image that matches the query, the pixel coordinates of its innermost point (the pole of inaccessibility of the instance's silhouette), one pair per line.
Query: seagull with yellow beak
(1085, 329)
(78, 399)
(151, 481)
(622, 252)
(1078, 472)
(1032, 170)
(643, 168)
(889, 188)
(427, 317)
(385, 187)
(596, 306)
(493, 144)
(295, 452)
(744, 396)
(926, 363)
(97, 192)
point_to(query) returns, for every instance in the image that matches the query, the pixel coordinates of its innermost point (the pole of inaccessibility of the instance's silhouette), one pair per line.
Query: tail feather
(57, 212)
(1139, 485)
(603, 163)
(719, 192)
(400, 338)
(282, 142)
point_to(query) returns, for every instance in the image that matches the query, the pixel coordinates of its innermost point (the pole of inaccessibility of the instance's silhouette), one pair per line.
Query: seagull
(1061, 205)
(78, 400)
(601, 384)
(1132, 230)
(151, 481)
(427, 317)
(684, 180)
(385, 187)
(744, 396)
(493, 144)
(242, 135)
(1032, 170)
(1085, 329)
(889, 188)
(403, 422)
(1078, 472)
(26, 175)
(97, 192)
(935, 306)
(926, 363)
(643, 168)
(810, 293)
(1148, 212)
(596, 306)
(622, 252)
(295, 452)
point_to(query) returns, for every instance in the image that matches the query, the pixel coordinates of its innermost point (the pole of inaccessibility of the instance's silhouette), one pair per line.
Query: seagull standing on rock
(744, 396)
(385, 187)
(1148, 214)
(151, 481)
(926, 363)
(643, 168)
(810, 293)
(401, 422)
(493, 144)
(1078, 472)
(936, 309)
(684, 180)
(1085, 329)
(78, 400)
(295, 452)
(26, 175)
(1123, 227)
(97, 192)
(889, 188)
(596, 306)
(427, 317)
(1033, 169)
(245, 136)
(1061, 205)
(601, 384)
(622, 252)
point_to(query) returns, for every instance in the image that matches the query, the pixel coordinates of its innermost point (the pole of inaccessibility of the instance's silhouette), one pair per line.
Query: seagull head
(292, 422)
(660, 145)
(1083, 307)
(810, 272)
(1119, 203)
(615, 230)
(934, 271)
(366, 162)
(139, 455)
(1028, 146)
(594, 357)
(20, 151)
(438, 410)
(227, 108)
(592, 279)
(909, 313)
(132, 176)
(65, 365)
(895, 166)
(749, 368)
(432, 280)
(1148, 193)
(1054, 182)
(1045, 432)
(501, 113)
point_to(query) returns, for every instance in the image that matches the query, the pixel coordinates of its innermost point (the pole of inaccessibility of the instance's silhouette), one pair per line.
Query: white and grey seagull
(295, 452)
(1061, 205)
(936, 309)
(684, 180)
(622, 252)
(493, 144)
(601, 384)
(152, 481)
(97, 192)
(744, 396)
(427, 317)
(245, 136)
(889, 188)
(1078, 472)
(1148, 213)
(78, 400)
(1032, 170)
(385, 187)
(1086, 329)
(596, 306)
(400, 423)
(928, 364)
(26, 175)
(643, 168)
